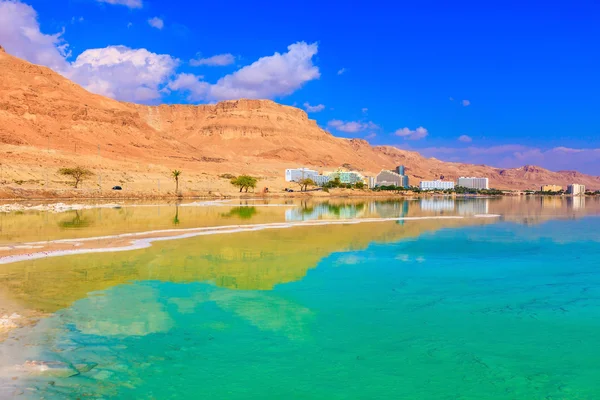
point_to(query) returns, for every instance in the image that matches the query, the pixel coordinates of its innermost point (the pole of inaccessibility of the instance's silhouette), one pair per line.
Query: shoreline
(141, 240)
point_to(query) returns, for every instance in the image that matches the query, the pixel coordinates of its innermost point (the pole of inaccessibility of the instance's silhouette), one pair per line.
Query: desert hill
(48, 122)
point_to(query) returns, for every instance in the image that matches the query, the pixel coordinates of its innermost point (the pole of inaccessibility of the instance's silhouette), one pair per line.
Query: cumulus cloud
(417, 134)
(466, 103)
(191, 84)
(516, 155)
(371, 135)
(465, 139)
(215, 61)
(20, 36)
(156, 23)
(127, 3)
(123, 73)
(316, 108)
(351, 126)
(140, 75)
(341, 71)
(270, 77)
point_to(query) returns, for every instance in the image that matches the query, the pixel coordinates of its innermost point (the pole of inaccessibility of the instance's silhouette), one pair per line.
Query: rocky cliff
(47, 121)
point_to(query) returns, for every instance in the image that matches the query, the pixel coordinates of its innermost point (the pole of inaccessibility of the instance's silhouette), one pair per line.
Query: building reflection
(437, 204)
(576, 202)
(551, 202)
(473, 206)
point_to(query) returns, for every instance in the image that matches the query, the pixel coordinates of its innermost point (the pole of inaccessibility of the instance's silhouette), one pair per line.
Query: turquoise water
(497, 311)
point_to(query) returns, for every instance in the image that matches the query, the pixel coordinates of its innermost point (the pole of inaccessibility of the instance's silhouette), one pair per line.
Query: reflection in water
(437, 204)
(244, 212)
(31, 226)
(325, 211)
(473, 206)
(176, 218)
(576, 202)
(76, 222)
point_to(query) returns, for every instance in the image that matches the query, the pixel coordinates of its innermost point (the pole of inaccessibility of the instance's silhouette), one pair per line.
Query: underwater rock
(85, 367)
(56, 369)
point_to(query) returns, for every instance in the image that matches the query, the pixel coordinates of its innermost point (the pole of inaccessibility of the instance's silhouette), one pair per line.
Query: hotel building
(297, 174)
(576, 189)
(392, 178)
(473, 183)
(551, 188)
(436, 185)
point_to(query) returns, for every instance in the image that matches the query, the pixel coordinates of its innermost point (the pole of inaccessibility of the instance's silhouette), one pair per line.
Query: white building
(473, 183)
(320, 180)
(297, 174)
(576, 189)
(392, 178)
(436, 185)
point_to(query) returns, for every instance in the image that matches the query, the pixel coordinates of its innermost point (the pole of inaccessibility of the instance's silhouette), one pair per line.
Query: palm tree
(175, 173)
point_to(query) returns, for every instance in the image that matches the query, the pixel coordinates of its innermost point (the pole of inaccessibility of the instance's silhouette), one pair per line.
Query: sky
(503, 83)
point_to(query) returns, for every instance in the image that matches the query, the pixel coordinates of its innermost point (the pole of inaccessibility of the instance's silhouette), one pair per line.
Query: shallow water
(467, 308)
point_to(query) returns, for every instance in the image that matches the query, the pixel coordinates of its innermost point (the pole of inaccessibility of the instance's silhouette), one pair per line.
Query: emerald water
(499, 307)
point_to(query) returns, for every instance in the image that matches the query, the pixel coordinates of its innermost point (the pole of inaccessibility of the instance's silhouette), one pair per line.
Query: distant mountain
(45, 119)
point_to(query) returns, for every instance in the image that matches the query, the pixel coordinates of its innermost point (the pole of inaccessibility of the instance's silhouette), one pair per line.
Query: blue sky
(503, 83)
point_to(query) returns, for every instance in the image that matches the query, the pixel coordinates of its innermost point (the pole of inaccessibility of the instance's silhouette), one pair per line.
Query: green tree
(244, 182)
(78, 174)
(305, 183)
(175, 174)
(359, 185)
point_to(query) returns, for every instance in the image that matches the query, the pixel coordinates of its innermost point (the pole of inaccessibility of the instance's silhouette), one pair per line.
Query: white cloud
(466, 103)
(192, 84)
(129, 25)
(270, 77)
(316, 108)
(156, 23)
(20, 36)
(451, 98)
(516, 155)
(465, 138)
(74, 20)
(341, 71)
(123, 73)
(215, 61)
(351, 126)
(127, 3)
(140, 75)
(371, 135)
(417, 134)
(365, 110)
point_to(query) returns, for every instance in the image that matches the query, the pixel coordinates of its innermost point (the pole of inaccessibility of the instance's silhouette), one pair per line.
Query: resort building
(392, 178)
(297, 174)
(551, 188)
(320, 180)
(473, 183)
(576, 189)
(371, 182)
(346, 176)
(436, 185)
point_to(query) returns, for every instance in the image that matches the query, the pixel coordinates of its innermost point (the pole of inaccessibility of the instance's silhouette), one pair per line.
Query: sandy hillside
(48, 122)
